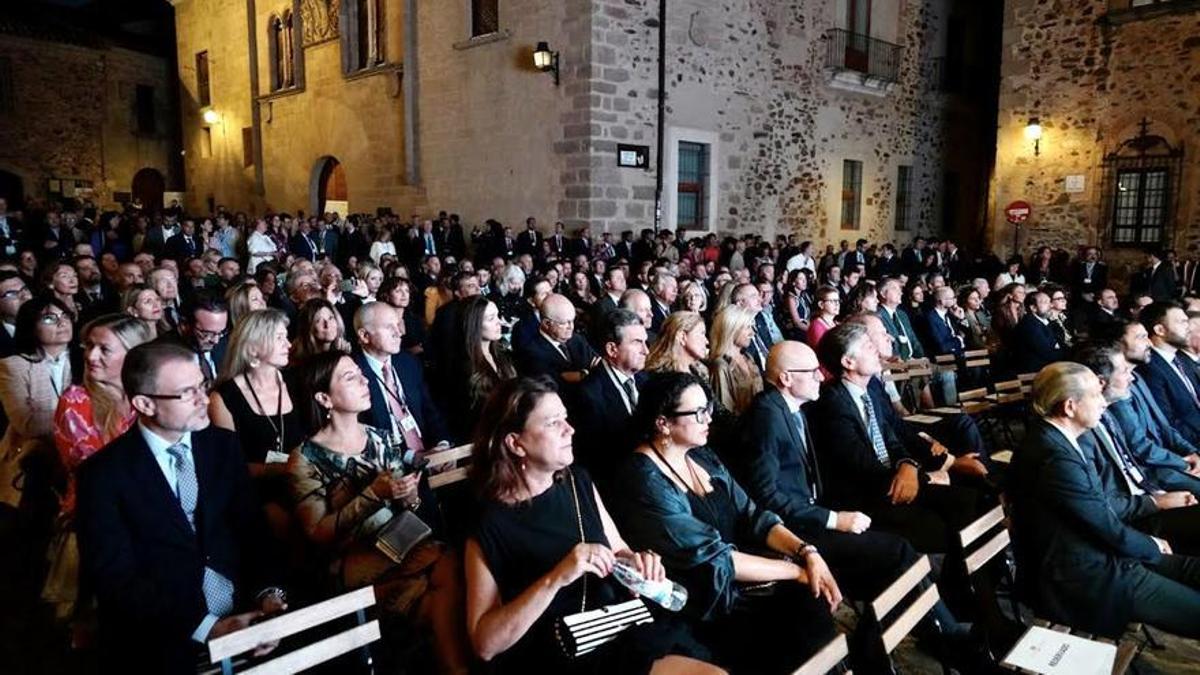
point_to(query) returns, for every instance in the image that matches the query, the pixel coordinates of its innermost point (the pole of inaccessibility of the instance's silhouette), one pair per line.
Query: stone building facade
(830, 119)
(82, 117)
(1115, 88)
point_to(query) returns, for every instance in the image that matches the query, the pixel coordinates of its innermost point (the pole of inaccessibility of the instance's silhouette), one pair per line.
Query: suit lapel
(840, 390)
(149, 475)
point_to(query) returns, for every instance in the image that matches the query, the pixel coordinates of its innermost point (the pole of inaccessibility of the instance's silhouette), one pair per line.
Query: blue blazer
(1074, 554)
(778, 468)
(1144, 437)
(1034, 345)
(145, 562)
(416, 396)
(1172, 395)
(942, 340)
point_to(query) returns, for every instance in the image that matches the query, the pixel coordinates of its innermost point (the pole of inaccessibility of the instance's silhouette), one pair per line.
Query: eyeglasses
(702, 415)
(810, 371)
(194, 392)
(14, 293)
(53, 319)
(209, 334)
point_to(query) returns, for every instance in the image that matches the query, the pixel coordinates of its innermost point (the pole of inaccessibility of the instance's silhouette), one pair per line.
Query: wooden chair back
(826, 660)
(452, 455)
(906, 620)
(984, 539)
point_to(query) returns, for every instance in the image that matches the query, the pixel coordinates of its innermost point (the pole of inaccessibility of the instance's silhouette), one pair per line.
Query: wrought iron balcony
(875, 59)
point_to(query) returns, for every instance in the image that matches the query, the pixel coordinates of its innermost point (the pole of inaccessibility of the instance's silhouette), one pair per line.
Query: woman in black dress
(545, 546)
(763, 596)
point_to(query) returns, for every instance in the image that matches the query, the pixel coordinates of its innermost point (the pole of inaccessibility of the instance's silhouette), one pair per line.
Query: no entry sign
(1017, 212)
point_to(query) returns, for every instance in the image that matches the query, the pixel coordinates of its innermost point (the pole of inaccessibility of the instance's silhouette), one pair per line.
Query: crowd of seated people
(186, 444)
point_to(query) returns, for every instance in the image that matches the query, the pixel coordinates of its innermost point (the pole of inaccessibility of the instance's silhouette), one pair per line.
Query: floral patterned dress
(77, 436)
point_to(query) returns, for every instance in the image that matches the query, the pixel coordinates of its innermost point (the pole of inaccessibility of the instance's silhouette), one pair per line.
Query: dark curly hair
(659, 396)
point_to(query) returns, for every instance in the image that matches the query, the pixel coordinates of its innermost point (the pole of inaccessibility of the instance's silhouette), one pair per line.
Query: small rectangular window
(903, 198)
(205, 142)
(1140, 212)
(7, 92)
(485, 17)
(144, 109)
(247, 146)
(851, 194)
(203, 93)
(692, 187)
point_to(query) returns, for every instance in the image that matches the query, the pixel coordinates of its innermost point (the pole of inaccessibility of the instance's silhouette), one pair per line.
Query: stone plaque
(1074, 183)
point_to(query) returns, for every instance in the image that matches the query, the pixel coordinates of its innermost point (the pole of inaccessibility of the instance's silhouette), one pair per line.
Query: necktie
(630, 393)
(206, 366)
(1182, 367)
(218, 591)
(1128, 466)
(429, 244)
(809, 460)
(400, 413)
(876, 434)
(906, 349)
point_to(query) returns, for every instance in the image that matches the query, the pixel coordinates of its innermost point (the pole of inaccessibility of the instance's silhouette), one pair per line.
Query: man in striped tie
(171, 537)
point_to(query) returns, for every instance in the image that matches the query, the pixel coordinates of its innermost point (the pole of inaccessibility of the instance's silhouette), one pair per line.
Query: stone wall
(74, 116)
(1090, 77)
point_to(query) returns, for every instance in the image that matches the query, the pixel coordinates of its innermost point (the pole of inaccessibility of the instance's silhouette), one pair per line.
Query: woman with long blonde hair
(682, 346)
(735, 377)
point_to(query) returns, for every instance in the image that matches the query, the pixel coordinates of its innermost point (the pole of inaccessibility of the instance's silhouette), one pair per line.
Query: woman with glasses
(347, 482)
(545, 546)
(828, 307)
(319, 329)
(87, 418)
(31, 382)
(979, 325)
(142, 302)
(762, 597)
(736, 379)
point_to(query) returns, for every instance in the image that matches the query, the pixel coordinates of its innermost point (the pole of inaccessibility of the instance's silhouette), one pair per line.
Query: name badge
(276, 457)
(903, 339)
(408, 423)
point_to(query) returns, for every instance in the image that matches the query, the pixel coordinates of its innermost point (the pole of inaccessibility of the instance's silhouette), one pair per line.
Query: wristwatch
(804, 551)
(273, 590)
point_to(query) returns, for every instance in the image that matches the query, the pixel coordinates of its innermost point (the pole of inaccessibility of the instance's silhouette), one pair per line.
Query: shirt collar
(855, 390)
(792, 404)
(375, 364)
(158, 444)
(1070, 438)
(619, 377)
(1166, 351)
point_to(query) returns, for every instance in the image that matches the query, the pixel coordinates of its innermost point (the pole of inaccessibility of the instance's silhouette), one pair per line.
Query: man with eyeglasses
(557, 351)
(170, 570)
(13, 294)
(203, 328)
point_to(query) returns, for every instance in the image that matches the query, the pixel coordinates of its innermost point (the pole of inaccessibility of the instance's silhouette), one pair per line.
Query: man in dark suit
(303, 243)
(1170, 379)
(1105, 310)
(895, 320)
(13, 294)
(184, 245)
(400, 400)
(624, 247)
(604, 404)
(55, 239)
(445, 337)
(866, 465)
(557, 351)
(1077, 561)
(12, 232)
(663, 291)
(942, 324)
(912, 258)
(1157, 278)
(1090, 275)
(537, 289)
(171, 537)
(1033, 343)
(530, 241)
(610, 296)
(203, 327)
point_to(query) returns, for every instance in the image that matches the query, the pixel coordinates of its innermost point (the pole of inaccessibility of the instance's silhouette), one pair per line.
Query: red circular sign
(1017, 212)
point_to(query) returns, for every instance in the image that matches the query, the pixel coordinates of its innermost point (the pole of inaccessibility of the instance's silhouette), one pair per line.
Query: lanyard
(279, 408)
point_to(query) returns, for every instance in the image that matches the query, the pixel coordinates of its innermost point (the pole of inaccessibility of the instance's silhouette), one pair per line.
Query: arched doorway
(12, 190)
(148, 187)
(328, 186)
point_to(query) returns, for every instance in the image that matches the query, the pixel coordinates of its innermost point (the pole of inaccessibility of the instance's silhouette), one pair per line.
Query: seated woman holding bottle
(545, 548)
(763, 597)
(349, 483)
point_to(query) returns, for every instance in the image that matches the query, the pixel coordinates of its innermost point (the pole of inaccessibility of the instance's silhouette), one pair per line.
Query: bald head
(793, 369)
(558, 317)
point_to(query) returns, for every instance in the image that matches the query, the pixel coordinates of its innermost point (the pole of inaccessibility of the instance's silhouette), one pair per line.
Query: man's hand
(273, 603)
(1173, 500)
(935, 448)
(904, 485)
(821, 580)
(236, 622)
(969, 465)
(1193, 462)
(1163, 546)
(854, 522)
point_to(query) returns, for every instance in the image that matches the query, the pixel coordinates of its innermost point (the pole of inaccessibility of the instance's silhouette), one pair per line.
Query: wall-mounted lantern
(546, 60)
(1033, 132)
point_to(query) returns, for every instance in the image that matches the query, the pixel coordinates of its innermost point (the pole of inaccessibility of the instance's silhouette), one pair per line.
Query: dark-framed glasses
(210, 334)
(53, 319)
(14, 293)
(187, 393)
(702, 415)
(810, 371)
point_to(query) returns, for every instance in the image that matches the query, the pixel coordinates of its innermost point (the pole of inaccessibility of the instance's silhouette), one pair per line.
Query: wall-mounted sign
(635, 156)
(1017, 212)
(1074, 183)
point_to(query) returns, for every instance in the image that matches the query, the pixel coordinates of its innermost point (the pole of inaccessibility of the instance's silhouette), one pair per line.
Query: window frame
(854, 201)
(203, 79)
(902, 219)
(670, 197)
(474, 10)
(1139, 226)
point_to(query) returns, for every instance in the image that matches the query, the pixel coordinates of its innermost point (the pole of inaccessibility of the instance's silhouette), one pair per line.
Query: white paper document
(1042, 650)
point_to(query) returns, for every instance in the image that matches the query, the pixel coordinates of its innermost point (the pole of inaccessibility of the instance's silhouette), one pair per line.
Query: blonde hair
(238, 299)
(724, 297)
(726, 325)
(251, 337)
(1055, 384)
(664, 355)
(109, 410)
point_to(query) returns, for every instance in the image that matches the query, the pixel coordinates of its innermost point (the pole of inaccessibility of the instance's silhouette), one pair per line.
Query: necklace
(278, 408)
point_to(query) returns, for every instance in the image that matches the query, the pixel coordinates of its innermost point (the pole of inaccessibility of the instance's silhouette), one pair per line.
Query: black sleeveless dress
(523, 542)
(255, 431)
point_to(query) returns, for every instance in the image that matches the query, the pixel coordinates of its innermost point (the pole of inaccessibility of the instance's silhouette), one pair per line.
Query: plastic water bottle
(667, 593)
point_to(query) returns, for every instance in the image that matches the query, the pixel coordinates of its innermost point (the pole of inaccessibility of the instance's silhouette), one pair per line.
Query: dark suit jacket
(657, 314)
(914, 350)
(303, 247)
(146, 565)
(538, 357)
(1080, 281)
(854, 476)
(1161, 283)
(529, 241)
(942, 340)
(1034, 345)
(1073, 552)
(1172, 396)
(778, 468)
(1153, 441)
(178, 248)
(1125, 504)
(602, 437)
(416, 397)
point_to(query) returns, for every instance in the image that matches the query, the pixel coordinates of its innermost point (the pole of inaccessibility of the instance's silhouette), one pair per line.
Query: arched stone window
(277, 52)
(362, 35)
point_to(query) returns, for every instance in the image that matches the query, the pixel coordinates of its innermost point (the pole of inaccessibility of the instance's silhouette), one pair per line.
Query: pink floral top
(77, 437)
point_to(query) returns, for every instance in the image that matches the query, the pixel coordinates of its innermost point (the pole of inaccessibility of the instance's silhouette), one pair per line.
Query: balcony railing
(863, 54)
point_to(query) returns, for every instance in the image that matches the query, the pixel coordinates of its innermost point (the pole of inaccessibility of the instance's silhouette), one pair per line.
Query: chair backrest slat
(1008, 385)
(984, 554)
(981, 525)
(901, 587)
(978, 363)
(1026, 377)
(972, 394)
(909, 618)
(450, 454)
(827, 659)
(976, 354)
(438, 480)
(319, 652)
(290, 623)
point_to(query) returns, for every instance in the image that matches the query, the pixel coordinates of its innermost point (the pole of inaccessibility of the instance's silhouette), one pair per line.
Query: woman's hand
(583, 559)
(821, 580)
(647, 563)
(404, 489)
(384, 486)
